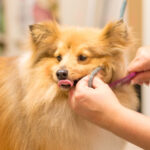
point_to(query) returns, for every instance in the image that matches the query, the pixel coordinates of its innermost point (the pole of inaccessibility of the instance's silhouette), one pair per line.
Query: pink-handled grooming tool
(124, 80)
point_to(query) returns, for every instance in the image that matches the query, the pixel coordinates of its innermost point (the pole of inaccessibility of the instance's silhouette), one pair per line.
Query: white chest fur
(72, 132)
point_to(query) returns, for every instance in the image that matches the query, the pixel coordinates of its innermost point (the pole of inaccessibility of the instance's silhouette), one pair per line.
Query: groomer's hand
(141, 63)
(96, 104)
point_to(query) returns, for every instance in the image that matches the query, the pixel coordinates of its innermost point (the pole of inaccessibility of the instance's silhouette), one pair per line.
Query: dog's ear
(43, 31)
(43, 39)
(115, 34)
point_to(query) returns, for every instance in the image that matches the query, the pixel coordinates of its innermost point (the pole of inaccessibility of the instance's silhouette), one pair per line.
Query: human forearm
(131, 126)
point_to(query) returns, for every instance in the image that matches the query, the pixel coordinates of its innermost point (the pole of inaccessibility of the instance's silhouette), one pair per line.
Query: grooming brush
(124, 80)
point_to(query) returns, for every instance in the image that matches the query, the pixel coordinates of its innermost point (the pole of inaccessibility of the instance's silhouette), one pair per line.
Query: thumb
(136, 66)
(97, 82)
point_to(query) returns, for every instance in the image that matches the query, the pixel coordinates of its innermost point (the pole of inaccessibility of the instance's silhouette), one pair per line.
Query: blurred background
(16, 15)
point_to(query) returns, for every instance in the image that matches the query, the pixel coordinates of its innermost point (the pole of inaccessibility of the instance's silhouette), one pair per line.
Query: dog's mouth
(67, 84)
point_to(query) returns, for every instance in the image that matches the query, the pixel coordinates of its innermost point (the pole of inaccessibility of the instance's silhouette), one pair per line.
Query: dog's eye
(59, 58)
(82, 58)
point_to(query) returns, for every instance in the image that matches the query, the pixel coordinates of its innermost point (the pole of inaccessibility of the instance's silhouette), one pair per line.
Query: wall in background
(73, 12)
(89, 12)
(18, 15)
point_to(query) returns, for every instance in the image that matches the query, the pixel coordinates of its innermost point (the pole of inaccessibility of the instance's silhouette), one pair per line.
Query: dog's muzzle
(64, 82)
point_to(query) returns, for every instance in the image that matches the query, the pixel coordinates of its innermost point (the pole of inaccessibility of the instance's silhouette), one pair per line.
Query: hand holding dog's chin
(98, 105)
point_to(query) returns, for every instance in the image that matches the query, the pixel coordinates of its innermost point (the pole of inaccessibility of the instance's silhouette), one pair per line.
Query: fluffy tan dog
(34, 111)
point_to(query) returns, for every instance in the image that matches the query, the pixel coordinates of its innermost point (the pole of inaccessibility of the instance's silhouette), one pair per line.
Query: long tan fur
(34, 111)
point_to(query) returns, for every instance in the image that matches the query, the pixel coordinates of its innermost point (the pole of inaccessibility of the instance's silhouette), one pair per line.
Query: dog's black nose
(62, 74)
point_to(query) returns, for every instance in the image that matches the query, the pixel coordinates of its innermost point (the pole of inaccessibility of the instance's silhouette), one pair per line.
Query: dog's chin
(67, 84)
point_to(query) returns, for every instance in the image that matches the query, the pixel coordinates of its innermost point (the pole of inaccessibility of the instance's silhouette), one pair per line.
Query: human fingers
(141, 78)
(141, 62)
(97, 83)
(139, 65)
(83, 81)
(147, 83)
(82, 86)
(79, 91)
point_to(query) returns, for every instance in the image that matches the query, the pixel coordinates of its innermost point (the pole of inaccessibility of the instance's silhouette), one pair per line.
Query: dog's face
(68, 54)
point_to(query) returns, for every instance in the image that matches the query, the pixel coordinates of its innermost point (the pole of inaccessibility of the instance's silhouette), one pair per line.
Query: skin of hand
(100, 106)
(87, 101)
(141, 64)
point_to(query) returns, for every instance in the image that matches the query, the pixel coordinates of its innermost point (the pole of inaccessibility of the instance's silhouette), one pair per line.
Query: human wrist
(107, 119)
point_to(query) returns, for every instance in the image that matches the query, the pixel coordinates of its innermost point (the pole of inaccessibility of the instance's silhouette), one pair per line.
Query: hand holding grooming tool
(122, 81)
